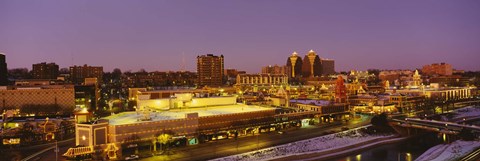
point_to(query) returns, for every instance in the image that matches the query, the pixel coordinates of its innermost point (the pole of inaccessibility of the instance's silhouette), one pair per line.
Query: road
(228, 147)
(50, 155)
(17, 154)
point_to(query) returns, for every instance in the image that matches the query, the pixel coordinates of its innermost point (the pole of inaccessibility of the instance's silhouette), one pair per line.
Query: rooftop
(134, 117)
(315, 102)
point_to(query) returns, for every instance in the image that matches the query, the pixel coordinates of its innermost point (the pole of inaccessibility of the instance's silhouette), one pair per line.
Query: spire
(294, 53)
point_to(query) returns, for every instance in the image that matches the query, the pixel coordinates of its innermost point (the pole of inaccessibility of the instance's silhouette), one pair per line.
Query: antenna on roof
(72, 63)
(183, 62)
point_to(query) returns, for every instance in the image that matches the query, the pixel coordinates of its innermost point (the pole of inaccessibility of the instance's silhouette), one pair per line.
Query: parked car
(132, 157)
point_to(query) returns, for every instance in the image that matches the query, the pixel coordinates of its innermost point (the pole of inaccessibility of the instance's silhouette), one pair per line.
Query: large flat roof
(133, 117)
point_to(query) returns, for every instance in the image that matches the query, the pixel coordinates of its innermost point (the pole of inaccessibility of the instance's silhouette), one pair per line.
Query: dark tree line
(45, 110)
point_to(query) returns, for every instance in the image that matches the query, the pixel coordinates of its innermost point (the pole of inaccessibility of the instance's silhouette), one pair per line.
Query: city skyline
(157, 36)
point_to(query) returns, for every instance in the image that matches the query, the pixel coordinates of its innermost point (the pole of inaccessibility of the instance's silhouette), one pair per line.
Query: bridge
(430, 125)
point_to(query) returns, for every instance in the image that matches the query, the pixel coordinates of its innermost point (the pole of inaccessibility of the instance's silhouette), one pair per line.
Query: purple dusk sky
(153, 34)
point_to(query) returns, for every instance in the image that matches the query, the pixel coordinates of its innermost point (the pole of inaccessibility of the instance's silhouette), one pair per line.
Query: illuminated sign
(193, 141)
(11, 141)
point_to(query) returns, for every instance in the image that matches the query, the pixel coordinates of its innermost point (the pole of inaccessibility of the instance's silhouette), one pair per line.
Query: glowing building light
(359, 157)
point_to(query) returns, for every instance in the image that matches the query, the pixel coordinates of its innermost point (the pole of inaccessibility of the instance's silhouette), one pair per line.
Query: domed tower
(295, 64)
(311, 65)
(417, 79)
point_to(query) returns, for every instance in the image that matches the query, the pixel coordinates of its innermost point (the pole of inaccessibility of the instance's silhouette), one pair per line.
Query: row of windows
(30, 93)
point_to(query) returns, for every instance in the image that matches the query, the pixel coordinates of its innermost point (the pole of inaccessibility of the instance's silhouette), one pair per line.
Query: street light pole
(56, 150)
(257, 139)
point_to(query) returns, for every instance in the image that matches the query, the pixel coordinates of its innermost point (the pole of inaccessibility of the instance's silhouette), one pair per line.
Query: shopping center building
(181, 116)
(188, 119)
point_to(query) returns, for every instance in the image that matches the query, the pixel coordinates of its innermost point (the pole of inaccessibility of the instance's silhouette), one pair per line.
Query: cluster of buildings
(250, 104)
(441, 73)
(311, 65)
(443, 69)
(158, 79)
(195, 116)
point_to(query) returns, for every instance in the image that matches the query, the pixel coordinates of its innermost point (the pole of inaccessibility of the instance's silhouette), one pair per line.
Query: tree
(380, 120)
(466, 135)
(164, 139)
(142, 71)
(26, 133)
(19, 73)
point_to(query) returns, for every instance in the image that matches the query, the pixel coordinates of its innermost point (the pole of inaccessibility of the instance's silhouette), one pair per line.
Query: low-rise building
(262, 79)
(17, 97)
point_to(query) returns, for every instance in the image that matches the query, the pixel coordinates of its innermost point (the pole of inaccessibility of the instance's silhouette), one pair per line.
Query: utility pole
(56, 150)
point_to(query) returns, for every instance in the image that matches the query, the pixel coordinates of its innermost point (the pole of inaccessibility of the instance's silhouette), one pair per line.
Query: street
(228, 147)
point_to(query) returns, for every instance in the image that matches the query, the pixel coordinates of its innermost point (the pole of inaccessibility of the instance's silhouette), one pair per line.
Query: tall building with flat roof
(210, 70)
(45, 71)
(294, 62)
(328, 66)
(3, 70)
(79, 73)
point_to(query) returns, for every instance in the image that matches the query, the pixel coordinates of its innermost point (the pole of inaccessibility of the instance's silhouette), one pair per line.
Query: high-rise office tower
(45, 71)
(210, 70)
(294, 62)
(79, 73)
(311, 66)
(328, 66)
(3, 70)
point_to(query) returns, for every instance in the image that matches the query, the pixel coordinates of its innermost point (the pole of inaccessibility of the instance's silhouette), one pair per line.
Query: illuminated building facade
(328, 111)
(262, 79)
(86, 97)
(443, 69)
(198, 121)
(116, 133)
(311, 67)
(417, 79)
(406, 102)
(231, 75)
(340, 90)
(210, 70)
(37, 82)
(233, 72)
(45, 71)
(440, 94)
(79, 73)
(294, 62)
